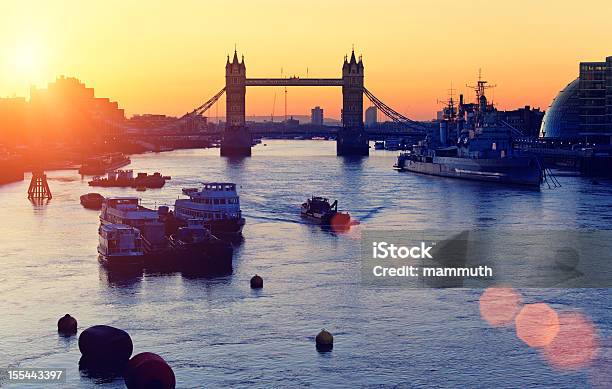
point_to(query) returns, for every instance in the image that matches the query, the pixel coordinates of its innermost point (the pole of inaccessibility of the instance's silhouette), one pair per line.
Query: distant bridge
(352, 138)
(294, 81)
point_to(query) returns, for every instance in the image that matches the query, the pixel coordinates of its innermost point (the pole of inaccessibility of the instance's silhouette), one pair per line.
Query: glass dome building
(562, 119)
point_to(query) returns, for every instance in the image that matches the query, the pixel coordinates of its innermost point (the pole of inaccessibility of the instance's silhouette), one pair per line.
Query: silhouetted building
(154, 123)
(316, 116)
(595, 96)
(527, 120)
(292, 122)
(69, 111)
(371, 116)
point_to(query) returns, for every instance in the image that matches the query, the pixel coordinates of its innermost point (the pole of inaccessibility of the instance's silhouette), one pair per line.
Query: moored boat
(104, 164)
(92, 200)
(197, 248)
(120, 245)
(166, 241)
(473, 144)
(216, 206)
(125, 178)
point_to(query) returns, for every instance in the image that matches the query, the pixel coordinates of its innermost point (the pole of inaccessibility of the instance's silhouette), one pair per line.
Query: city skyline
(174, 60)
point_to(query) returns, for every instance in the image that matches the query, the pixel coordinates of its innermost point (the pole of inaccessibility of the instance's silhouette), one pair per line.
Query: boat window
(221, 201)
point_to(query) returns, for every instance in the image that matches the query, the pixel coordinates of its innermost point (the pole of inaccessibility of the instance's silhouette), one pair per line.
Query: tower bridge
(351, 138)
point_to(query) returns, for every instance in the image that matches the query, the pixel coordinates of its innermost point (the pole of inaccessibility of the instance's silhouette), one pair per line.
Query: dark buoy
(104, 346)
(67, 325)
(148, 370)
(325, 341)
(256, 282)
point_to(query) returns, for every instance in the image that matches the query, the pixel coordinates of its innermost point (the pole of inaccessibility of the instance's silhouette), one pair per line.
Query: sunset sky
(168, 57)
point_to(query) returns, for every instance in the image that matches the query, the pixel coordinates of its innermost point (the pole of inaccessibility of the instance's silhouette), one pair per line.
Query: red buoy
(149, 370)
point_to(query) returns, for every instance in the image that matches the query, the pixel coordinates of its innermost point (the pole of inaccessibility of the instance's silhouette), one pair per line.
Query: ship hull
(121, 260)
(523, 171)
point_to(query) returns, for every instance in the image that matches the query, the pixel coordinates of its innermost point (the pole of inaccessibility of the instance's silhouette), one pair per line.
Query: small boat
(125, 178)
(115, 178)
(103, 164)
(92, 200)
(321, 211)
(120, 245)
(154, 181)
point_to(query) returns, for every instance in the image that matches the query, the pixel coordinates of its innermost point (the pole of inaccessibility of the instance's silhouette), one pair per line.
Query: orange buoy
(324, 341)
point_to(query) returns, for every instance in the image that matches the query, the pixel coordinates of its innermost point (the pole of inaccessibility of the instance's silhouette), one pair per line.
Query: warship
(473, 144)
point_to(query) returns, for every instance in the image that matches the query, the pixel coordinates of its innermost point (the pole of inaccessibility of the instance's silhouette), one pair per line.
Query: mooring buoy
(324, 341)
(103, 346)
(67, 325)
(256, 282)
(149, 370)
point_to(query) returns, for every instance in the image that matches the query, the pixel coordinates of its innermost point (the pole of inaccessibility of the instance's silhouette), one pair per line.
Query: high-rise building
(316, 116)
(371, 116)
(583, 110)
(595, 101)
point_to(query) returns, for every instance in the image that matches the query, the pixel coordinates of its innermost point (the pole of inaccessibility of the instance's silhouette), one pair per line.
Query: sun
(26, 60)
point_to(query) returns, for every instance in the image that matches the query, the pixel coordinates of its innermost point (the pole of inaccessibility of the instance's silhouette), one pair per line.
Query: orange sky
(168, 57)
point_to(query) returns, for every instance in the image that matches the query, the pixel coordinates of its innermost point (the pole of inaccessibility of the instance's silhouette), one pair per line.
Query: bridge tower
(352, 139)
(236, 138)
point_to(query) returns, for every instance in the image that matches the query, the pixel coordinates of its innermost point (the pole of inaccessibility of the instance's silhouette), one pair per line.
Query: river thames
(217, 332)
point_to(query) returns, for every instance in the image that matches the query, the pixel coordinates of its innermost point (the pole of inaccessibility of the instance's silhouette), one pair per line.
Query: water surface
(219, 333)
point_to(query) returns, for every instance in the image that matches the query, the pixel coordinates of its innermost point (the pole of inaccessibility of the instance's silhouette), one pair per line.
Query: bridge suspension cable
(206, 106)
(393, 114)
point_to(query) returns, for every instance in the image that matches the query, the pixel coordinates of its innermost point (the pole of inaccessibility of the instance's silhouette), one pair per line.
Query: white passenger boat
(216, 206)
(119, 245)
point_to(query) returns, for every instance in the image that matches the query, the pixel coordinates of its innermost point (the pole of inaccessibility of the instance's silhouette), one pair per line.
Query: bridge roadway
(294, 81)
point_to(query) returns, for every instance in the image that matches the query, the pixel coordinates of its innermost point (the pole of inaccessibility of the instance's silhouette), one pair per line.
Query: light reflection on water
(218, 332)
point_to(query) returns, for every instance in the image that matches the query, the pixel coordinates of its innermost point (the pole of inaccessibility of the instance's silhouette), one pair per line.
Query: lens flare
(537, 324)
(600, 376)
(575, 346)
(499, 305)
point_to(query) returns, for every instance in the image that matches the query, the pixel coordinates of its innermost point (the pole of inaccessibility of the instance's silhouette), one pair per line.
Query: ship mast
(481, 99)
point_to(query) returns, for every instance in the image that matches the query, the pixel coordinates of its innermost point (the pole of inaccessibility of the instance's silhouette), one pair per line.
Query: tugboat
(319, 209)
(92, 200)
(473, 144)
(216, 206)
(120, 245)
